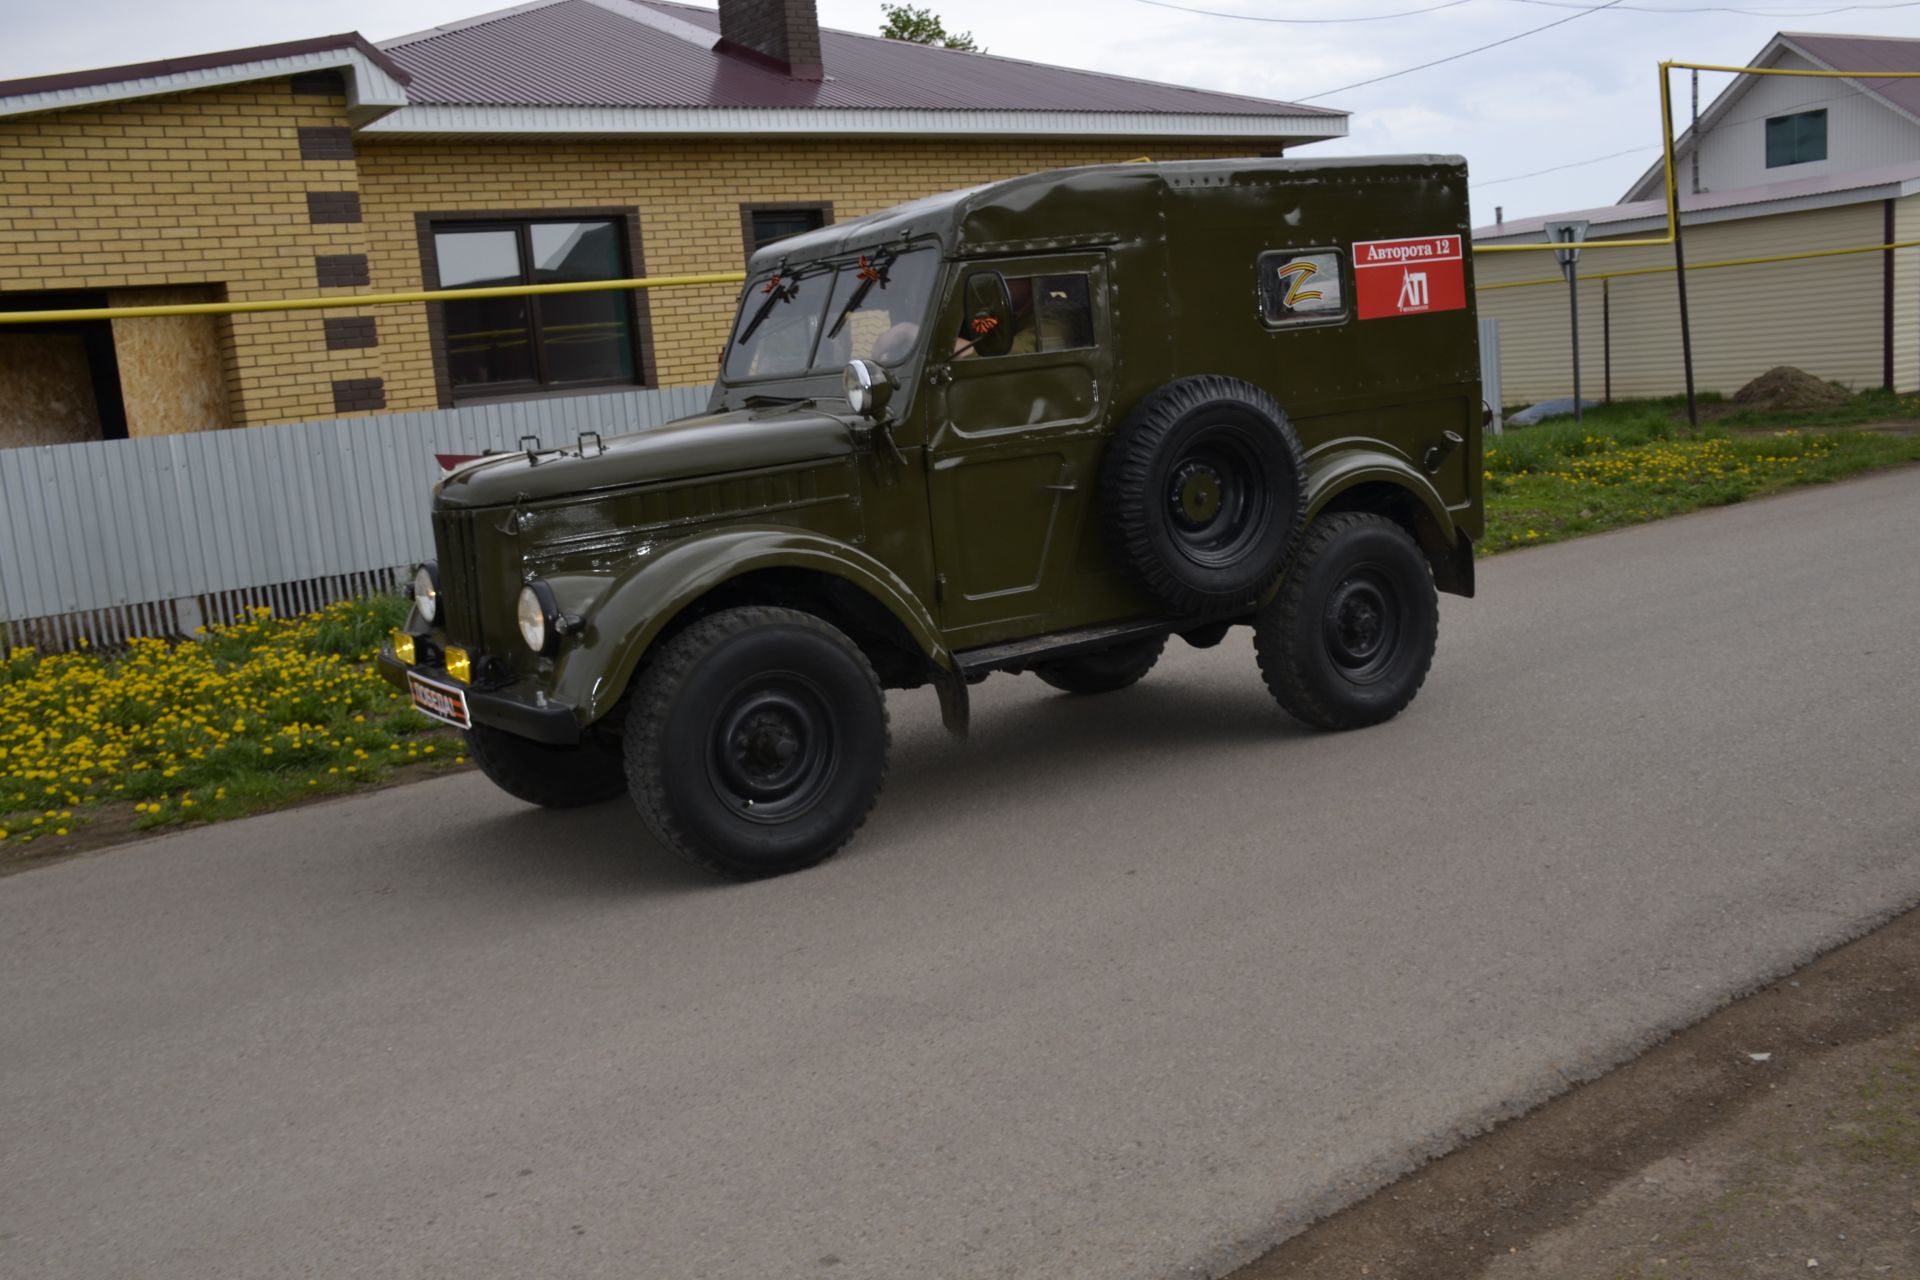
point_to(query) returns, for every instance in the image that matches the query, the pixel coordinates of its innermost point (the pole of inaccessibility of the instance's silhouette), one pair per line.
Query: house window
(499, 346)
(762, 224)
(1797, 139)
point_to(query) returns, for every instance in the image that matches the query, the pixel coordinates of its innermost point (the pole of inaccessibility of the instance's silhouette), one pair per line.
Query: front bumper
(510, 709)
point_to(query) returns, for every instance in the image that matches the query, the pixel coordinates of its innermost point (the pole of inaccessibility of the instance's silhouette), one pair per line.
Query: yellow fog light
(459, 665)
(403, 647)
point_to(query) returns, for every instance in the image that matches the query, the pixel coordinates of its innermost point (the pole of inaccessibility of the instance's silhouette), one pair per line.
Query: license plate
(443, 702)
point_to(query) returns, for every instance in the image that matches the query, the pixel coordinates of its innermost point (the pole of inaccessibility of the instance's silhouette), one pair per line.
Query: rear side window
(1302, 286)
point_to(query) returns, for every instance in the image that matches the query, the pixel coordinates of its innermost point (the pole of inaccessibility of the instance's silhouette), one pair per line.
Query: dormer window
(1797, 139)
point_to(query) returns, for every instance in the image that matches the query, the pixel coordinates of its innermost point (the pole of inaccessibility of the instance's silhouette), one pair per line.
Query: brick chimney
(783, 32)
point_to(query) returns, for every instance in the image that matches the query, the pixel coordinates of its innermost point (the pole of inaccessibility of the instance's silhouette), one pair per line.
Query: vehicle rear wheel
(1103, 670)
(1203, 492)
(756, 742)
(554, 777)
(1349, 638)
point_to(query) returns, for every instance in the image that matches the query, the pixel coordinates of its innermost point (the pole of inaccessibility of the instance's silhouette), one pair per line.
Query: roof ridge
(649, 16)
(478, 20)
(1842, 35)
(1049, 66)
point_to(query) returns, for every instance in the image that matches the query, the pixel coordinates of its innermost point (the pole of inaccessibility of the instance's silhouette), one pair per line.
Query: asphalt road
(1121, 987)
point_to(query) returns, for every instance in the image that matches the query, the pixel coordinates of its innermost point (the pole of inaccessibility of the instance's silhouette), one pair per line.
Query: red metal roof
(586, 53)
(1868, 53)
(202, 62)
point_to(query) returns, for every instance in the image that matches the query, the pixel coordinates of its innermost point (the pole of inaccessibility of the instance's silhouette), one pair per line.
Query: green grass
(1629, 463)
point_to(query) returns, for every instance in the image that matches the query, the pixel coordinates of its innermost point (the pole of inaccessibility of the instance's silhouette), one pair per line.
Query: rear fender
(631, 614)
(1358, 479)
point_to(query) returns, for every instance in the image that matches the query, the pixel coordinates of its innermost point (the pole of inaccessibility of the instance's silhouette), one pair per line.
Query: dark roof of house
(202, 62)
(1868, 53)
(605, 53)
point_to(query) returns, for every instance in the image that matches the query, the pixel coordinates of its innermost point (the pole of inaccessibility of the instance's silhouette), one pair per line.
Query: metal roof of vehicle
(622, 53)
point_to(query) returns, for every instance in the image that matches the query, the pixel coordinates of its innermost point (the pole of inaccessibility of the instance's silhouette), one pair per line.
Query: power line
(1307, 22)
(1573, 164)
(1720, 8)
(1465, 53)
(1548, 4)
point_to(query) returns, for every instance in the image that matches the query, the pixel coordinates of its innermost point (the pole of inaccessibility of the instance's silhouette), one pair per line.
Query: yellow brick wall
(204, 188)
(689, 195)
(209, 189)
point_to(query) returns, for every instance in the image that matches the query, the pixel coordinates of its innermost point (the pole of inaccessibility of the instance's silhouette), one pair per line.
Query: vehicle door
(1014, 439)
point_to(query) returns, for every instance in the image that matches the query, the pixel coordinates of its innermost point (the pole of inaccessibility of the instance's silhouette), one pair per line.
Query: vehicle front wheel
(1103, 670)
(1348, 639)
(756, 742)
(555, 777)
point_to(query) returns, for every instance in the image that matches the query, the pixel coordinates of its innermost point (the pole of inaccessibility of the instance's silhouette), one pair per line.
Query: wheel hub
(1197, 494)
(773, 751)
(1361, 626)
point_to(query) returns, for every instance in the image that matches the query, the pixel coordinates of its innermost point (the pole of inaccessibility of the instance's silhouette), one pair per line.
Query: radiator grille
(457, 546)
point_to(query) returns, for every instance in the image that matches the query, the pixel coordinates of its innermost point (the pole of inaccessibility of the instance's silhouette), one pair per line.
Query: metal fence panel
(1490, 368)
(114, 524)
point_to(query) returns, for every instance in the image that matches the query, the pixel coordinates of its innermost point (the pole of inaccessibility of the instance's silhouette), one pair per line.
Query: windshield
(814, 319)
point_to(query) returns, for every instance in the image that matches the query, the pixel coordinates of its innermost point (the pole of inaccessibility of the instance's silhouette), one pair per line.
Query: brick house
(559, 140)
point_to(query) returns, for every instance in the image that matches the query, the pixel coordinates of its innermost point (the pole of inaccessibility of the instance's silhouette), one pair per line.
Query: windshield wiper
(776, 292)
(870, 275)
(778, 402)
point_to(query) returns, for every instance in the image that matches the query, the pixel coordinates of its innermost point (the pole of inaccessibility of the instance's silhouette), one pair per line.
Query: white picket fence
(115, 539)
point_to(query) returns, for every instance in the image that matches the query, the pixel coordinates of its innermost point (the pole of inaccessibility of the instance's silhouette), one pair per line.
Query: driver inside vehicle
(1026, 335)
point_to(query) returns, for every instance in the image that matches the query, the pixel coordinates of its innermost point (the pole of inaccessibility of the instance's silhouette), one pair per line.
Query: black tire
(555, 777)
(756, 742)
(1103, 670)
(1348, 639)
(1203, 493)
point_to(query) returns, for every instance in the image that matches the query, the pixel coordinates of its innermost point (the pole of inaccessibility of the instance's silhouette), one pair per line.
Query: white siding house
(1844, 174)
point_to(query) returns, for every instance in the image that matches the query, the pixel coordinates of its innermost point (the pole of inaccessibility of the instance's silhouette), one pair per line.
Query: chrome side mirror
(868, 388)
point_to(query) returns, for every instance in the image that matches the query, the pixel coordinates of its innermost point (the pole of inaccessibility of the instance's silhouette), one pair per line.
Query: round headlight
(535, 615)
(426, 590)
(858, 385)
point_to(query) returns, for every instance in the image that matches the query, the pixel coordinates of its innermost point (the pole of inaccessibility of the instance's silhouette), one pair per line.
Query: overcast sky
(1583, 89)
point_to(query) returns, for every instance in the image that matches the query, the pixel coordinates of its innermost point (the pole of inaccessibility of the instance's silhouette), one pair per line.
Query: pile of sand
(1785, 387)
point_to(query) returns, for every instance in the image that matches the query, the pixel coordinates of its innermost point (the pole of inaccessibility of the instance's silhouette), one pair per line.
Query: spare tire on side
(1204, 491)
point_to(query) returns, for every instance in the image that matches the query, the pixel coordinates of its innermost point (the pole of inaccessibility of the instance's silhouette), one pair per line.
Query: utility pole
(1571, 234)
(1693, 147)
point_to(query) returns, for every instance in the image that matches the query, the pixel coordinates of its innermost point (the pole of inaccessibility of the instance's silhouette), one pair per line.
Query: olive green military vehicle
(1040, 426)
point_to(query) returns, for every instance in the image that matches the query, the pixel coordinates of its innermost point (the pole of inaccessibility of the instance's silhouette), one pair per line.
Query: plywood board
(171, 376)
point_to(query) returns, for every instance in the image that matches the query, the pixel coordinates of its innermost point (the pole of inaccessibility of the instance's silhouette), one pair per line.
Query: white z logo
(1413, 291)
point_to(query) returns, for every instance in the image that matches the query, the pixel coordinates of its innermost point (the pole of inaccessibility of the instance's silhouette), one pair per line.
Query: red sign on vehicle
(1409, 277)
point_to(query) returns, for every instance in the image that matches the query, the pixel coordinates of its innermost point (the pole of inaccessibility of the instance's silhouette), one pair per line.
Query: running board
(1018, 655)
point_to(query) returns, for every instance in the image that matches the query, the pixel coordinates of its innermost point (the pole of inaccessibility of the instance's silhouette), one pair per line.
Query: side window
(1302, 287)
(1048, 313)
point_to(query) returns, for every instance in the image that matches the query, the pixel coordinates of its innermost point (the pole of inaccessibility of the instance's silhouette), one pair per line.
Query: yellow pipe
(1709, 266)
(369, 299)
(1785, 71)
(1673, 199)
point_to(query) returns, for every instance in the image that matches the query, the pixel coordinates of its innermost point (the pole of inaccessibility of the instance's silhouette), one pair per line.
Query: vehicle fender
(630, 614)
(1333, 472)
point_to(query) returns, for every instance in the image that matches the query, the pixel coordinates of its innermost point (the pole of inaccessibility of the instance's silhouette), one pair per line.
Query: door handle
(1065, 487)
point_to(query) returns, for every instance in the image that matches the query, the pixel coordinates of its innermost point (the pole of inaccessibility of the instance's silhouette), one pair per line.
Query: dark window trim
(639, 308)
(1304, 322)
(1826, 137)
(822, 207)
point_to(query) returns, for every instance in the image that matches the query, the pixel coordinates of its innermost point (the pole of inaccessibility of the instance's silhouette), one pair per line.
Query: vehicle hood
(710, 444)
